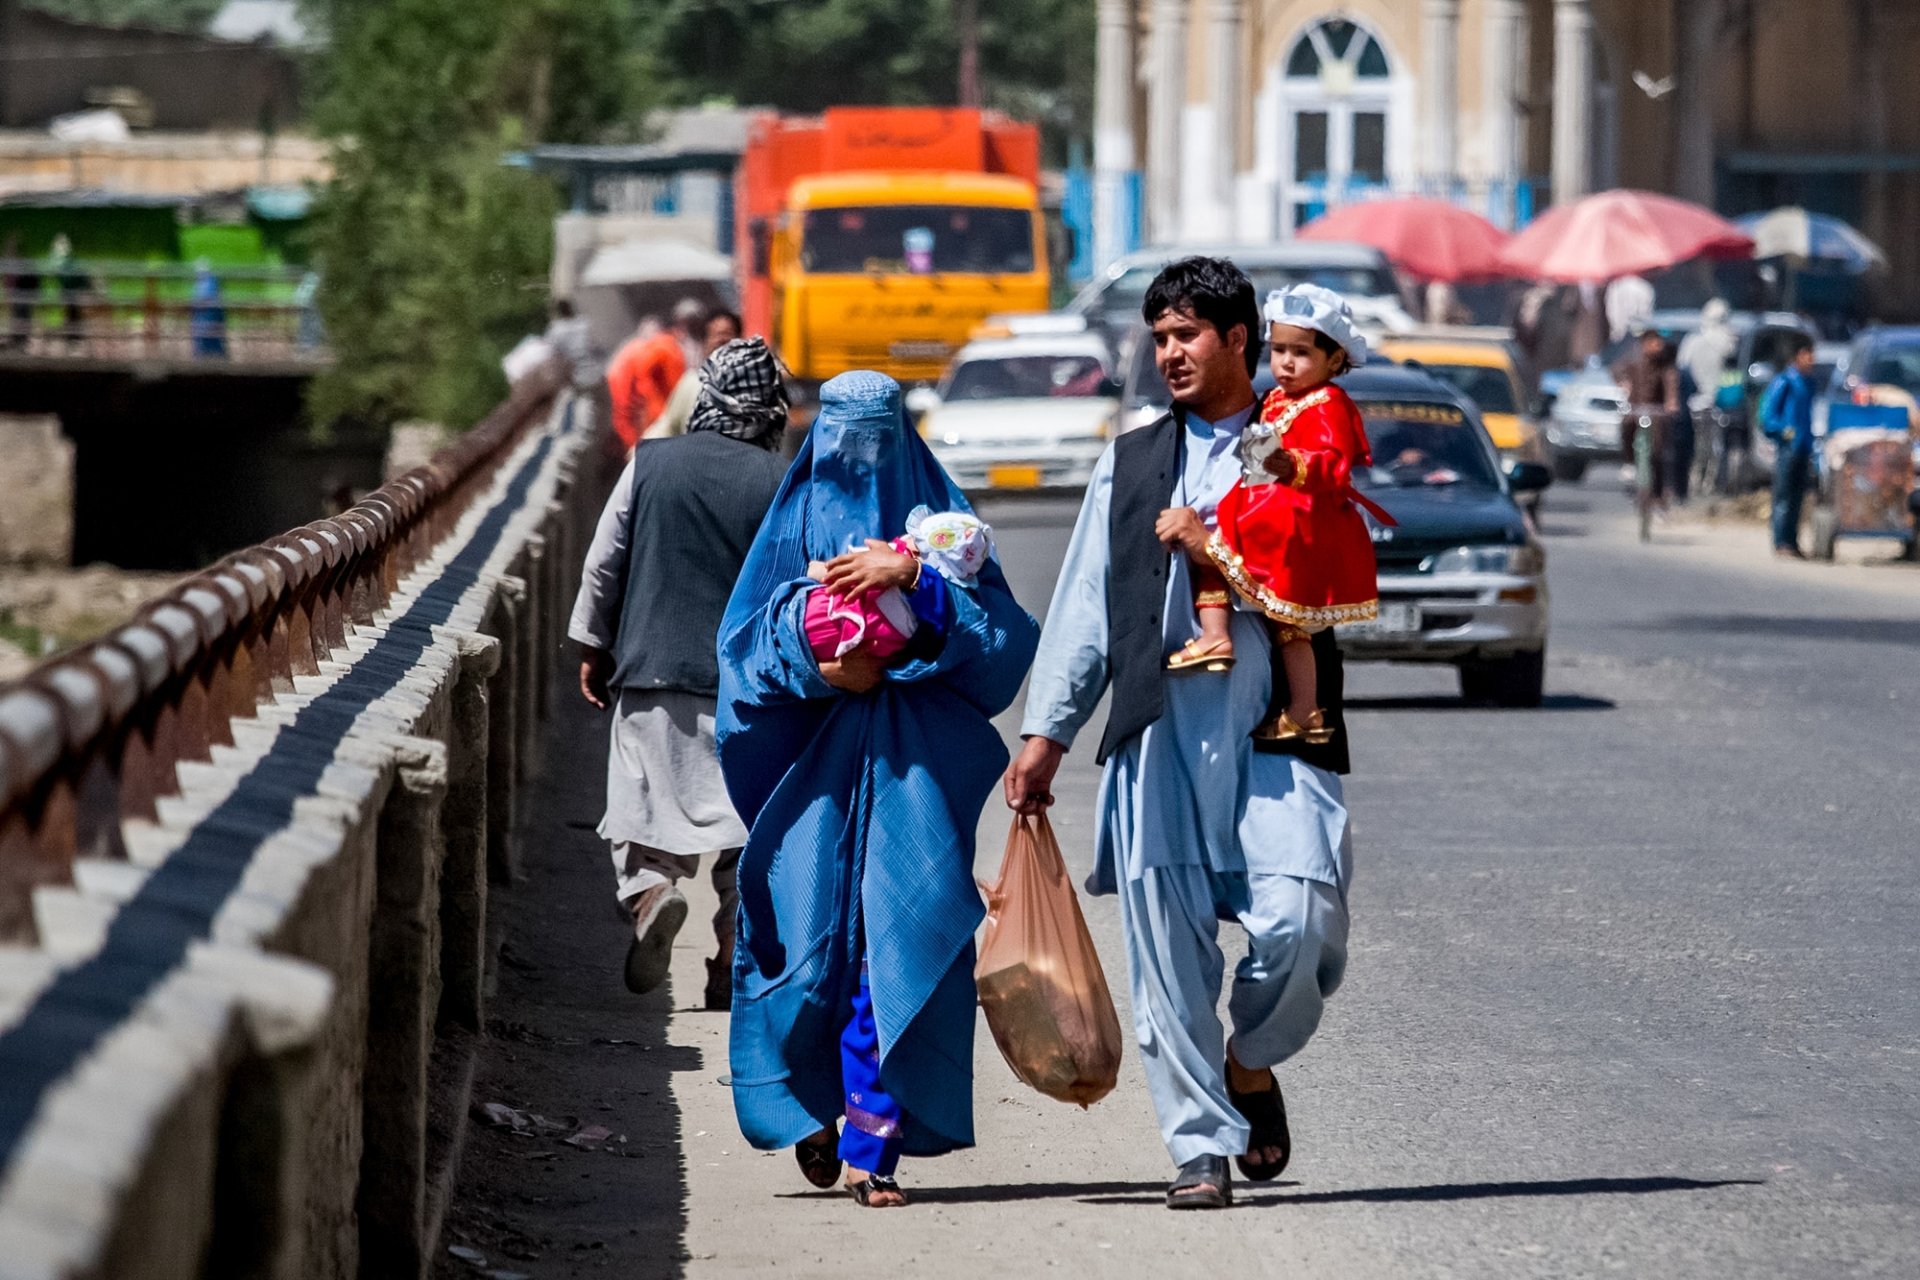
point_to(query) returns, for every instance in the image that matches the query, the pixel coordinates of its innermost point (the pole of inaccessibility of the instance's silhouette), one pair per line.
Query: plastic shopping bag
(1040, 981)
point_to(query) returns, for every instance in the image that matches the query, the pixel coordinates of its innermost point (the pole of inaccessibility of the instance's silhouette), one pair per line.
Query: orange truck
(878, 237)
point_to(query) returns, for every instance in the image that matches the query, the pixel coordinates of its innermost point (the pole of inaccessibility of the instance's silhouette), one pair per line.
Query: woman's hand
(875, 569)
(1182, 530)
(857, 672)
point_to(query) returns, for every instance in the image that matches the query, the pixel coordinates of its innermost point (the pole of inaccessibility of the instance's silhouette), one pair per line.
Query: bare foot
(881, 1193)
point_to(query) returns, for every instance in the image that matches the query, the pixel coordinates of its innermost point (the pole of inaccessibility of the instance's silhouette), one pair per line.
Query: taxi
(1486, 370)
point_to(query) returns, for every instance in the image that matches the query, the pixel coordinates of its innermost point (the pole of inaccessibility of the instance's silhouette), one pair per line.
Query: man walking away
(1786, 415)
(1198, 822)
(657, 578)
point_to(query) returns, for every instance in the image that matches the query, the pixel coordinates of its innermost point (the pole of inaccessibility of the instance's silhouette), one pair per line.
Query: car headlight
(1520, 561)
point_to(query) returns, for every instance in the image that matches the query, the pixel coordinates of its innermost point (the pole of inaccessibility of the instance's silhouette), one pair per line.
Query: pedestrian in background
(862, 778)
(1786, 416)
(641, 377)
(718, 329)
(1652, 381)
(207, 316)
(662, 565)
(1198, 821)
(568, 333)
(1706, 357)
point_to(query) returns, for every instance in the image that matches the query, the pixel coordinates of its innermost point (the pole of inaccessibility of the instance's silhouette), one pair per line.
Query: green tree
(1036, 56)
(433, 252)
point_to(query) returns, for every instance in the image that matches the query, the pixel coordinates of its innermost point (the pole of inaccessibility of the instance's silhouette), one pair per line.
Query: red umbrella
(1620, 233)
(1427, 238)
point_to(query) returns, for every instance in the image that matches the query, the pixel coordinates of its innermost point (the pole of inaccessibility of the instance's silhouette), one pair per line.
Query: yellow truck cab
(1485, 370)
(891, 271)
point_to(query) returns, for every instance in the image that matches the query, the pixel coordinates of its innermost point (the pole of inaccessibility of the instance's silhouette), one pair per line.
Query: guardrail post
(503, 731)
(403, 997)
(463, 880)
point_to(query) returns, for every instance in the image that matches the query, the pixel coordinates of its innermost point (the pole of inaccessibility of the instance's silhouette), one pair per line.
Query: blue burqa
(861, 807)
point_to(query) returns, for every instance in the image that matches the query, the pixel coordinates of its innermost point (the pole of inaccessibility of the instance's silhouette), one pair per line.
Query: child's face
(1298, 363)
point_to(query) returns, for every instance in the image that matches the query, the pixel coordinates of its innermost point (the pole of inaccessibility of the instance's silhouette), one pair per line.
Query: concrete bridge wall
(244, 1050)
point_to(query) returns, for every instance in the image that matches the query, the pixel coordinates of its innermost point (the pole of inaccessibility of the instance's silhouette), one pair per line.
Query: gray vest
(1144, 464)
(696, 504)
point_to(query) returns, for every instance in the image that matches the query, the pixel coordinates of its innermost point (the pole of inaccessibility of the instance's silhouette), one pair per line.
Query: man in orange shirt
(641, 376)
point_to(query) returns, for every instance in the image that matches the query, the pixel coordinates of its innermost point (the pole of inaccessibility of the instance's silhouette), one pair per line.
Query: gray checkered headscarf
(741, 394)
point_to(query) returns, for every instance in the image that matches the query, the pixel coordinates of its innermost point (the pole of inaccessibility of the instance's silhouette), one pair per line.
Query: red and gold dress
(1301, 551)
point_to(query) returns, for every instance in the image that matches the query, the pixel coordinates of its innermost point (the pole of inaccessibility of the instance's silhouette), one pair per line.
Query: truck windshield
(917, 239)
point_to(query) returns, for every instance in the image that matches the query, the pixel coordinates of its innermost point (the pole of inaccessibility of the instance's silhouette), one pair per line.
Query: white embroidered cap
(953, 542)
(1311, 306)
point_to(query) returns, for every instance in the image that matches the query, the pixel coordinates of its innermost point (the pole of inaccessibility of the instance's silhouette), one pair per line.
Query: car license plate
(1395, 621)
(920, 350)
(1013, 477)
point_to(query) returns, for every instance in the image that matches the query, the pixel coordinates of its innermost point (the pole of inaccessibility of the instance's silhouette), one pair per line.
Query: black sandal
(865, 1189)
(1266, 1116)
(819, 1159)
(1205, 1172)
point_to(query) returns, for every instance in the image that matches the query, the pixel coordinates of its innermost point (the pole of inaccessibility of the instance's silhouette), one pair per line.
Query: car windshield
(1421, 443)
(1025, 377)
(916, 239)
(1891, 365)
(1490, 389)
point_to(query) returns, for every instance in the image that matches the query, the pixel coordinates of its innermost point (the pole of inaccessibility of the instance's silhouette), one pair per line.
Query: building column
(1696, 25)
(1115, 159)
(1439, 92)
(1572, 99)
(1503, 82)
(1166, 96)
(1225, 54)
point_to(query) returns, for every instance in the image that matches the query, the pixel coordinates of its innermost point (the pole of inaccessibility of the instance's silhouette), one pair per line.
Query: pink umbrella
(1427, 238)
(1620, 233)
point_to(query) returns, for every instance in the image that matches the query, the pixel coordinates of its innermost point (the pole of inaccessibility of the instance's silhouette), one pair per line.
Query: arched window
(1341, 102)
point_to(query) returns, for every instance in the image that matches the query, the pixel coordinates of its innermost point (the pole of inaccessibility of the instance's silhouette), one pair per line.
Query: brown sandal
(819, 1159)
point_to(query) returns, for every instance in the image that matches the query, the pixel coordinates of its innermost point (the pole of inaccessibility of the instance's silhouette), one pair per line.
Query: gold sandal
(1284, 729)
(1192, 654)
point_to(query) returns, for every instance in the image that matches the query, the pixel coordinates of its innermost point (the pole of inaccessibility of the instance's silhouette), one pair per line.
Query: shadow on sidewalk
(1155, 1192)
(569, 1043)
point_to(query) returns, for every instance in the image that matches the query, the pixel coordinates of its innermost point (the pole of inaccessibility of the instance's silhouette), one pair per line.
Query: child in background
(1289, 537)
(953, 543)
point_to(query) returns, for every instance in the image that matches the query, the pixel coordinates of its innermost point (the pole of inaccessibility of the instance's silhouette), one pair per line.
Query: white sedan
(1028, 412)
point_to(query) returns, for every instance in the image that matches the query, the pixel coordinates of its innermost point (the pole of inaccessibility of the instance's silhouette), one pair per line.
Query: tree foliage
(433, 252)
(1036, 56)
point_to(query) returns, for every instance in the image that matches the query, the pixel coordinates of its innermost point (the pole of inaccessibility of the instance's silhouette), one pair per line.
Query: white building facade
(1239, 120)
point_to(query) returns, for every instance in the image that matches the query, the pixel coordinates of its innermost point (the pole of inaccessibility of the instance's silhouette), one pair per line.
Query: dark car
(1463, 579)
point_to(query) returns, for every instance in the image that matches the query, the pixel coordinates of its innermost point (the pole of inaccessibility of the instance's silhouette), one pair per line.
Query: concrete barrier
(237, 1040)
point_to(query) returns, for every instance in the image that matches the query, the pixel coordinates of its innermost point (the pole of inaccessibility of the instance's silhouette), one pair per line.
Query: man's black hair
(721, 313)
(1801, 342)
(1215, 291)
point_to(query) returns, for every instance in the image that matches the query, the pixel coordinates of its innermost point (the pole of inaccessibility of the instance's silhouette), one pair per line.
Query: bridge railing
(246, 844)
(128, 310)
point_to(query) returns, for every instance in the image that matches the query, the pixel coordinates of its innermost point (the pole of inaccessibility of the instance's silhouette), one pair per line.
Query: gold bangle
(1299, 480)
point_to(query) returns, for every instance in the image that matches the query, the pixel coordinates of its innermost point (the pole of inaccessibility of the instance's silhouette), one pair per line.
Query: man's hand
(858, 672)
(596, 668)
(1182, 530)
(1029, 780)
(874, 569)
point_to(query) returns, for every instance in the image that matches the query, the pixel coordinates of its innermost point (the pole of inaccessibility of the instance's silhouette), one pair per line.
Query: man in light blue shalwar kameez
(1195, 824)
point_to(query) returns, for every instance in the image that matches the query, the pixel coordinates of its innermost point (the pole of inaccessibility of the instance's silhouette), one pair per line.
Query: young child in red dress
(1289, 537)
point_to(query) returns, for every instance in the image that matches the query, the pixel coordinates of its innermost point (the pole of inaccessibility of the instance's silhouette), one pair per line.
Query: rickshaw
(1865, 474)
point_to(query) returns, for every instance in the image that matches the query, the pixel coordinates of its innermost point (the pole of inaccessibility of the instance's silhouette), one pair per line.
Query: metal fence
(92, 738)
(158, 311)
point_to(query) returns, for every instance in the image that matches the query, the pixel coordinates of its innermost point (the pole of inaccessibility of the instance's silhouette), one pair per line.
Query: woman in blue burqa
(861, 783)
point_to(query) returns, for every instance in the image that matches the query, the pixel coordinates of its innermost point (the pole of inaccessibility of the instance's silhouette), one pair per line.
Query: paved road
(1632, 990)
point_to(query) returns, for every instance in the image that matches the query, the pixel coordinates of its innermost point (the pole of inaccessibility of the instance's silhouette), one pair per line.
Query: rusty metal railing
(92, 738)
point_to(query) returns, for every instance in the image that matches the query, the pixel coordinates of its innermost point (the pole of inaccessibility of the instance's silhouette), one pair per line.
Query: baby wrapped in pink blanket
(952, 543)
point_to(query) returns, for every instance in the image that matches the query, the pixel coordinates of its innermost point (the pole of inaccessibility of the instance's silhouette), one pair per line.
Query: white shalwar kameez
(1195, 826)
